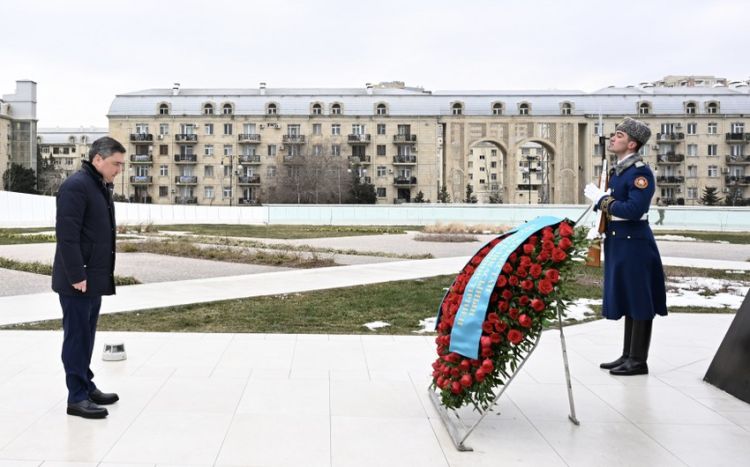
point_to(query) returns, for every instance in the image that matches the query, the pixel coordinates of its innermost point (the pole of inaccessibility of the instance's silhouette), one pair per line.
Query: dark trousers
(80, 315)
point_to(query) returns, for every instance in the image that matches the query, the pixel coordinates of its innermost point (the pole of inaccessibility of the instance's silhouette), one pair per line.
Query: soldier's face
(109, 167)
(619, 143)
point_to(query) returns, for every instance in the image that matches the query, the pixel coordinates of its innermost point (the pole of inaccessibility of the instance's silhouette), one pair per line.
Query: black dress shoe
(616, 363)
(87, 409)
(629, 368)
(103, 398)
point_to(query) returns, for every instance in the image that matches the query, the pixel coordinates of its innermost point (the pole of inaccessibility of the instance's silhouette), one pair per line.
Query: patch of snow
(375, 325)
(676, 238)
(427, 324)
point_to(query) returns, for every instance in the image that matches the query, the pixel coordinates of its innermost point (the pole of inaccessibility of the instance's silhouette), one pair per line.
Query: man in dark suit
(633, 273)
(83, 269)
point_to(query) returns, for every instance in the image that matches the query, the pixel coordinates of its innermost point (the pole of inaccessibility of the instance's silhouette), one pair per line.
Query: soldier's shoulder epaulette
(640, 164)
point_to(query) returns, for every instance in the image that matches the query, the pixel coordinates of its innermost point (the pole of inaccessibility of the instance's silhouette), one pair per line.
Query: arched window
(317, 109)
(271, 109)
(208, 109)
(644, 108)
(524, 108)
(163, 109)
(498, 108)
(457, 108)
(712, 108)
(691, 108)
(566, 108)
(227, 109)
(84, 139)
(336, 109)
(381, 109)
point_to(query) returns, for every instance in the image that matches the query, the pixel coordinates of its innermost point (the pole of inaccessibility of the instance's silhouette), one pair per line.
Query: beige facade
(65, 148)
(226, 147)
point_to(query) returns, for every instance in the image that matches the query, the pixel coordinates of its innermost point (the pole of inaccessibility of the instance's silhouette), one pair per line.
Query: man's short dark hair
(105, 147)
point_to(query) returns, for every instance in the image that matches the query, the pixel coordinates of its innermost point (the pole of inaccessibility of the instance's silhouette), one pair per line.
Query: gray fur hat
(635, 129)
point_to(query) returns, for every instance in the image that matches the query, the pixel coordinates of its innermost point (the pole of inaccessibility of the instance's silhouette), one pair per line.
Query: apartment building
(18, 127)
(236, 146)
(65, 148)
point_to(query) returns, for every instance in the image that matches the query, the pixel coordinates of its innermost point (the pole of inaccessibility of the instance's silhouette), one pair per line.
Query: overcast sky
(82, 53)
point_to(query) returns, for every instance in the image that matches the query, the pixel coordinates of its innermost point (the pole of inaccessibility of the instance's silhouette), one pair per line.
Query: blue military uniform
(633, 273)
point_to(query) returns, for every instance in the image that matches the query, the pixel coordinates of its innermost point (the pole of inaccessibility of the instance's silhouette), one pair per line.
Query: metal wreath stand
(460, 431)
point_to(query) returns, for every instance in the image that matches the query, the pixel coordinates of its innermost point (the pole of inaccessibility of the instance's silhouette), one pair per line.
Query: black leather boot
(640, 342)
(625, 346)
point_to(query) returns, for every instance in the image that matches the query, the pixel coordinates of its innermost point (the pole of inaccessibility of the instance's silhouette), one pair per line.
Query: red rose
(469, 270)
(465, 365)
(502, 281)
(545, 286)
(493, 317)
(484, 251)
(538, 305)
(522, 272)
(479, 375)
(525, 261)
(553, 275)
(501, 326)
(565, 229)
(455, 372)
(515, 336)
(565, 243)
(503, 306)
(535, 270)
(542, 257)
(527, 285)
(435, 374)
(528, 249)
(456, 387)
(513, 281)
(507, 294)
(513, 256)
(507, 268)
(547, 233)
(484, 341)
(466, 381)
(523, 300)
(533, 240)
(440, 382)
(496, 338)
(548, 245)
(487, 365)
(558, 255)
(486, 352)
(487, 327)
(525, 321)
(513, 313)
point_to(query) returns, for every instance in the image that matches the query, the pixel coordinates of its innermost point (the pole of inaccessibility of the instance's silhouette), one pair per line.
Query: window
(271, 171)
(457, 108)
(163, 109)
(524, 108)
(163, 191)
(692, 193)
(208, 171)
(248, 128)
(317, 149)
(336, 109)
(481, 168)
(272, 150)
(380, 150)
(208, 128)
(713, 150)
(497, 108)
(208, 192)
(690, 108)
(712, 108)
(227, 192)
(692, 171)
(738, 127)
(737, 150)
(336, 150)
(713, 170)
(228, 149)
(227, 128)
(381, 128)
(140, 128)
(208, 109)
(164, 128)
(566, 108)
(381, 109)
(404, 130)
(317, 109)
(493, 164)
(713, 128)
(381, 171)
(271, 109)
(227, 109)
(208, 150)
(317, 129)
(481, 181)
(692, 128)
(163, 149)
(293, 130)
(227, 171)
(692, 150)
(470, 165)
(358, 129)
(335, 129)
(187, 129)
(381, 192)
(164, 170)
(644, 108)
(493, 177)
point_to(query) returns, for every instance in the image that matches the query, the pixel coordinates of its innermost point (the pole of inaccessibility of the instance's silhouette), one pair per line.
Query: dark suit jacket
(85, 228)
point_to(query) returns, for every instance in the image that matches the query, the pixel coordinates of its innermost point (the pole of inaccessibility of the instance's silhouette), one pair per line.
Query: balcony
(405, 181)
(185, 200)
(404, 160)
(364, 160)
(248, 180)
(670, 179)
(141, 199)
(404, 139)
(186, 158)
(141, 159)
(670, 137)
(186, 180)
(293, 139)
(183, 138)
(737, 179)
(359, 138)
(248, 202)
(249, 159)
(738, 160)
(670, 158)
(740, 137)
(140, 179)
(249, 138)
(142, 137)
(294, 159)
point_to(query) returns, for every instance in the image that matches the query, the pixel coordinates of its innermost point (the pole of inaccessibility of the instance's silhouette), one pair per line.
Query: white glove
(593, 233)
(594, 193)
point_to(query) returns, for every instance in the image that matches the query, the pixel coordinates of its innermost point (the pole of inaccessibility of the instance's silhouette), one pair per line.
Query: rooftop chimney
(369, 88)
(176, 89)
(263, 88)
